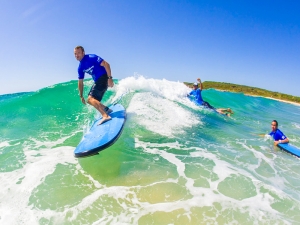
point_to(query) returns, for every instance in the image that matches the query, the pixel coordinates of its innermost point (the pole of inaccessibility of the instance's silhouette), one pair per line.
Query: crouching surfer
(100, 71)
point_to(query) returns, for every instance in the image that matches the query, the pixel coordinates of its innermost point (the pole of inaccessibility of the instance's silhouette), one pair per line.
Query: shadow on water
(125, 164)
(106, 166)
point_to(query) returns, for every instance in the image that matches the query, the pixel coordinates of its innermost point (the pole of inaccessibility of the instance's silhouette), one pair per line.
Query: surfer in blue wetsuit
(196, 94)
(100, 71)
(277, 135)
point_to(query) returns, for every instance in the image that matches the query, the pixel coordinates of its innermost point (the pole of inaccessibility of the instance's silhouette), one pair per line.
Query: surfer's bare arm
(80, 88)
(106, 65)
(281, 141)
(199, 81)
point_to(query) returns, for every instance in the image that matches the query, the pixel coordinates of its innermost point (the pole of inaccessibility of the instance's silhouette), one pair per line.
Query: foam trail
(17, 186)
(204, 197)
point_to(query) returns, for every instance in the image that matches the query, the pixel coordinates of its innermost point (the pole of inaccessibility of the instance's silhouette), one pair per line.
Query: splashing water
(175, 163)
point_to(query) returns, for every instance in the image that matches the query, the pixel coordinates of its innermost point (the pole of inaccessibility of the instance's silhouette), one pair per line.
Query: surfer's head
(79, 52)
(274, 125)
(195, 85)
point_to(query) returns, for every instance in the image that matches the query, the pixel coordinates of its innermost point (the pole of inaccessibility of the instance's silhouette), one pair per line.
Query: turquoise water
(174, 163)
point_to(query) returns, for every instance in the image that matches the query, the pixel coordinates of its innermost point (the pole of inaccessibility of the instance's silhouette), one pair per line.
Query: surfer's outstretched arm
(199, 82)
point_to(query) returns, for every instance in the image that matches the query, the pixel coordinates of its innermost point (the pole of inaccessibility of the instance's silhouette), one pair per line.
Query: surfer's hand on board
(276, 143)
(82, 100)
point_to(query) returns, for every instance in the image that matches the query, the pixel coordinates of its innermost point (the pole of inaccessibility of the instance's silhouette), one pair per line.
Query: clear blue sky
(254, 43)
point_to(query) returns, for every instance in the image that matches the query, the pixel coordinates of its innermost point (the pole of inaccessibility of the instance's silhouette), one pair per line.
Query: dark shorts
(207, 105)
(99, 88)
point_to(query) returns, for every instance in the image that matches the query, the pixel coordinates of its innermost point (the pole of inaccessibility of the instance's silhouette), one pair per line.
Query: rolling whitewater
(174, 163)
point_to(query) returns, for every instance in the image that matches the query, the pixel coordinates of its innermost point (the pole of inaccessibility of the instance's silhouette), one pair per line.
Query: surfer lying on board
(277, 135)
(196, 94)
(101, 74)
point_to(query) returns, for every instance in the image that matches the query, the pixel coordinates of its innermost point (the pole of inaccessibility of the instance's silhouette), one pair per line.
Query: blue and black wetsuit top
(278, 135)
(90, 64)
(195, 96)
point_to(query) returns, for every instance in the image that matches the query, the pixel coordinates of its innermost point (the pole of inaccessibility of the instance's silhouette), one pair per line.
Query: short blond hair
(79, 47)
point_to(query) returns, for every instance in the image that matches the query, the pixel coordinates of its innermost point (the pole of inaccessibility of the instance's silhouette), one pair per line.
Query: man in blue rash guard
(277, 135)
(100, 71)
(196, 94)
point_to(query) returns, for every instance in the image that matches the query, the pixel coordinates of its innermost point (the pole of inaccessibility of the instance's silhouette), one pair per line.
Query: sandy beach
(290, 102)
(280, 100)
(294, 103)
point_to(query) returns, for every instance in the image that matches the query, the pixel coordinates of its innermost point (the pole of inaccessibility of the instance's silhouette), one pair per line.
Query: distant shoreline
(250, 91)
(280, 100)
(294, 103)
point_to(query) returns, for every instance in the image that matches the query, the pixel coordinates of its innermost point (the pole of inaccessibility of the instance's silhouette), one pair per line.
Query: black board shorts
(99, 88)
(207, 105)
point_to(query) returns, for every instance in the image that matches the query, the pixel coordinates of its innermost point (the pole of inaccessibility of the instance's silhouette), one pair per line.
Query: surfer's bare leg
(221, 111)
(230, 111)
(105, 108)
(225, 111)
(94, 102)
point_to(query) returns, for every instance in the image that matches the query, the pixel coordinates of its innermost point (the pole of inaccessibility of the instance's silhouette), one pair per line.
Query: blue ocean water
(175, 163)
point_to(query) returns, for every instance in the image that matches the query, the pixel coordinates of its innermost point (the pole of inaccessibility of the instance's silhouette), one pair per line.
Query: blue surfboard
(290, 148)
(102, 136)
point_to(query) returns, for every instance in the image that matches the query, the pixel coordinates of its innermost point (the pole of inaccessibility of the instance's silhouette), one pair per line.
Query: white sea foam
(4, 144)
(296, 125)
(256, 206)
(158, 106)
(16, 194)
(174, 91)
(164, 88)
(17, 186)
(154, 104)
(160, 115)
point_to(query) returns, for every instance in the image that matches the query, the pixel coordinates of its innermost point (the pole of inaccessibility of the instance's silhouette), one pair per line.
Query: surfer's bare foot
(104, 119)
(229, 110)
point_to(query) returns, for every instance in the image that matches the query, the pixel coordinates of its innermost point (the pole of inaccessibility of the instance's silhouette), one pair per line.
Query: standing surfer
(100, 71)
